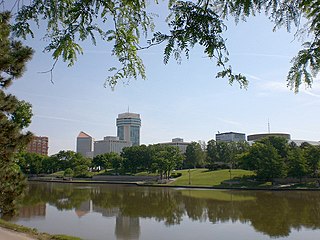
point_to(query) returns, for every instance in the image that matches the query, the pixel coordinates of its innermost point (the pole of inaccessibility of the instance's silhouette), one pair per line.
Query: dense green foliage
(74, 163)
(156, 158)
(153, 158)
(194, 156)
(125, 26)
(15, 115)
(220, 154)
(265, 161)
(273, 157)
(108, 160)
(269, 158)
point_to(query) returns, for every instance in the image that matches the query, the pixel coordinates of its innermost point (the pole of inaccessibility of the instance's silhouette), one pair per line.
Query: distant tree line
(274, 157)
(73, 163)
(152, 159)
(269, 158)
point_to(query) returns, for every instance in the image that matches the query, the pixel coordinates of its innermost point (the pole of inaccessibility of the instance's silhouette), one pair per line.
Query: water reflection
(273, 213)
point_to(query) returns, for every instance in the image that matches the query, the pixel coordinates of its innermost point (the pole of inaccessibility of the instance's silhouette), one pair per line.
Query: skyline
(176, 100)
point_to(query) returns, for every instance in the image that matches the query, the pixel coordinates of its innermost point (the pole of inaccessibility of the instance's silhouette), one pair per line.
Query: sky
(177, 100)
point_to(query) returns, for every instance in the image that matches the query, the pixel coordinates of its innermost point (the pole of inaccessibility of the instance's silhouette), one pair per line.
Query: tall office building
(230, 137)
(38, 145)
(128, 127)
(85, 144)
(110, 144)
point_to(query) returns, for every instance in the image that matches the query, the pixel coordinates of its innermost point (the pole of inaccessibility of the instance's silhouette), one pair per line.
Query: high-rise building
(85, 144)
(128, 127)
(110, 144)
(230, 137)
(38, 145)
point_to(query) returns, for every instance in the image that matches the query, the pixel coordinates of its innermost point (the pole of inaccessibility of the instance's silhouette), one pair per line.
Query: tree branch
(51, 71)
(150, 45)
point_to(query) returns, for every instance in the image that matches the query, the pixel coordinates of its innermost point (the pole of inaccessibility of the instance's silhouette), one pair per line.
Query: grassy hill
(204, 177)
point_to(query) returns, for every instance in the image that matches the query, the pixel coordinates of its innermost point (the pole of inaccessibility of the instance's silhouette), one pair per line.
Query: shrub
(81, 171)
(176, 175)
(68, 172)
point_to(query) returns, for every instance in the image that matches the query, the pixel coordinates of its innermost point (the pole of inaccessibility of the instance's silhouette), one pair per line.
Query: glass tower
(128, 127)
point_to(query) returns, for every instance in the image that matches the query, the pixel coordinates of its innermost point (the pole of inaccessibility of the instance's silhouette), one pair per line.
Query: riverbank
(11, 231)
(236, 179)
(142, 184)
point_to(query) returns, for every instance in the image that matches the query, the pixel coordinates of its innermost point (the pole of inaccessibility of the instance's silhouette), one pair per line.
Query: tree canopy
(126, 25)
(15, 115)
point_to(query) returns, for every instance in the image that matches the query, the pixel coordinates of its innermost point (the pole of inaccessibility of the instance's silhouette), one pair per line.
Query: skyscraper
(85, 144)
(128, 127)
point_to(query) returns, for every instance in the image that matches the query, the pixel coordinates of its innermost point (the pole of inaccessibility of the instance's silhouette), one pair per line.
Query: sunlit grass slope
(204, 177)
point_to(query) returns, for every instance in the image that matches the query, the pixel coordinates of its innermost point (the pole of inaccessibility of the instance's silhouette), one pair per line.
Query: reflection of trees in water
(272, 213)
(278, 213)
(62, 196)
(161, 204)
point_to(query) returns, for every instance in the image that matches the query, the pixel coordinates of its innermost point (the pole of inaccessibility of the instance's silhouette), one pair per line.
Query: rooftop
(83, 135)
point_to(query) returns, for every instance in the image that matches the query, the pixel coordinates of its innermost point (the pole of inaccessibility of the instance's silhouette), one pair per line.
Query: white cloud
(273, 86)
(314, 91)
(250, 76)
(229, 121)
(68, 120)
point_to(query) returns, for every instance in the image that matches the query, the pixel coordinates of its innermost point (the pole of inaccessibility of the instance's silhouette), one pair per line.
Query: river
(109, 211)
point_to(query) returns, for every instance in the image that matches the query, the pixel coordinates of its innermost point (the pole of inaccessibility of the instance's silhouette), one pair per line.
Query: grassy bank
(201, 177)
(219, 178)
(33, 233)
(238, 178)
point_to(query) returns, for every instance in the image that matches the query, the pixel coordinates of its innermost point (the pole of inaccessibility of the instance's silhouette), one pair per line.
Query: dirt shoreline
(8, 234)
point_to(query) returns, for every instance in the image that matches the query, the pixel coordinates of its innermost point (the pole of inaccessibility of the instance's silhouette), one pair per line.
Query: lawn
(204, 177)
(32, 232)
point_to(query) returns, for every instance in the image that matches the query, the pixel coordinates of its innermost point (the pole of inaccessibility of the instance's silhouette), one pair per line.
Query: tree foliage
(126, 24)
(312, 156)
(224, 153)
(70, 159)
(15, 115)
(194, 156)
(108, 160)
(297, 165)
(153, 158)
(165, 159)
(265, 161)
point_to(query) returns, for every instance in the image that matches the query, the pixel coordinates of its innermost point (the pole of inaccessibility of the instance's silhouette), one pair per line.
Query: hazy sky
(184, 100)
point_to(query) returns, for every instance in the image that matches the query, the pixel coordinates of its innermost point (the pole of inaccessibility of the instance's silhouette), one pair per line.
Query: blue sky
(183, 100)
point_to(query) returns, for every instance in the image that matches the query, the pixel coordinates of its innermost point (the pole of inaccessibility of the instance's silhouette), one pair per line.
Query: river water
(107, 212)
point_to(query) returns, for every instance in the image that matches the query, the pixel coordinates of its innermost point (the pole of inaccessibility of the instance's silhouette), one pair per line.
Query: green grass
(145, 174)
(57, 174)
(204, 177)
(34, 233)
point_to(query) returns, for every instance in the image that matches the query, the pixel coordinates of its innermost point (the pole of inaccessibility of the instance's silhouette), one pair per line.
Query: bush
(176, 175)
(68, 172)
(81, 171)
